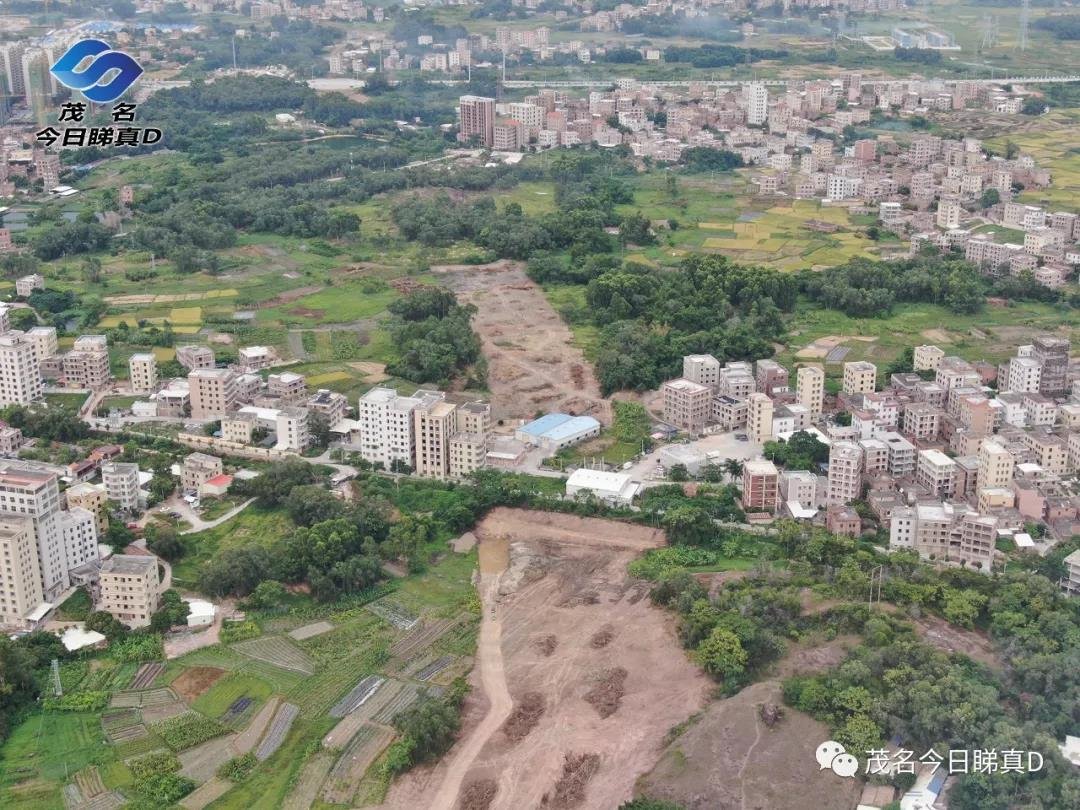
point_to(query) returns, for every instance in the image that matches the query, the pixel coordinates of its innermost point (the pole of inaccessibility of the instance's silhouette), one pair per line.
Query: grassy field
(253, 524)
(992, 334)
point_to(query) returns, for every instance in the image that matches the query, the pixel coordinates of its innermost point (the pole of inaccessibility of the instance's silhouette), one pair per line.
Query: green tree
(163, 540)
(722, 654)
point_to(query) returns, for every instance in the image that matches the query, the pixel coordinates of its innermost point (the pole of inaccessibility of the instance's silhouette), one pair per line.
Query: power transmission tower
(989, 32)
(1025, 11)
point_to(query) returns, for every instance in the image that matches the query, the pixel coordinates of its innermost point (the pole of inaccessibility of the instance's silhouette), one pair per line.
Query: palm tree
(734, 468)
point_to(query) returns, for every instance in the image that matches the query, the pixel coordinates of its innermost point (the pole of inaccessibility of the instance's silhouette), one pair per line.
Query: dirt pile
(546, 645)
(577, 770)
(602, 637)
(478, 795)
(527, 713)
(608, 692)
(527, 565)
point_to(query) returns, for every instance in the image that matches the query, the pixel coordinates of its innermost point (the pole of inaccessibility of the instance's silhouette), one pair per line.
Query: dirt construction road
(489, 661)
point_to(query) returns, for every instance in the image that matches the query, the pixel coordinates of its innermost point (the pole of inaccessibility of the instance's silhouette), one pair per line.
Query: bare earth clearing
(730, 760)
(554, 587)
(532, 361)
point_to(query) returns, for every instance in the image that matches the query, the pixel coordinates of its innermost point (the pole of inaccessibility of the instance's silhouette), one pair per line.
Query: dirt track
(532, 361)
(566, 579)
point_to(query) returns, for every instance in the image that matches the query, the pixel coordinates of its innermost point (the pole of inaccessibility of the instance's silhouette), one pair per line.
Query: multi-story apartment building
(78, 528)
(736, 381)
(770, 377)
(20, 374)
(810, 389)
(45, 342)
(760, 486)
(330, 405)
(955, 372)
(121, 481)
(996, 465)
(27, 492)
(703, 369)
(759, 418)
(198, 468)
(939, 532)
(845, 471)
(927, 358)
(434, 423)
(860, 377)
(291, 429)
(87, 364)
(287, 385)
(1070, 583)
(922, 421)
(143, 374)
(129, 588)
(20, 574)
(936, 472)
(1052, 354)
(1022, 375)
(387, 432)
(687, 404)
(468, 448)
(92, 498)
(477, 119)
(195, 357)
(212, 391)
(901, 455)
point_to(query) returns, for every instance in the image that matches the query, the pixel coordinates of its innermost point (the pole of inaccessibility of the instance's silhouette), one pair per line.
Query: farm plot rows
(146, 675)
(422, 637)
(307, 787)
(143, 699)
(281, 680)
(277, 651)
(279, 727)
(394, 613)
(434, 668)
(357, 696)
(345, 776)
(187, 730)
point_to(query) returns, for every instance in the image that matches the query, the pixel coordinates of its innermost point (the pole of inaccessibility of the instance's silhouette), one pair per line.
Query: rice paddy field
(277, 695)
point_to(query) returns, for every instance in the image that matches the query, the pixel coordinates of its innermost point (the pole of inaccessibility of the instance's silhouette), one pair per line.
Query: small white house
(201, 613)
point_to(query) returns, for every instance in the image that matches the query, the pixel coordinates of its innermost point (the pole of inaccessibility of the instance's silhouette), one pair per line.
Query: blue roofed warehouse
(554, 431)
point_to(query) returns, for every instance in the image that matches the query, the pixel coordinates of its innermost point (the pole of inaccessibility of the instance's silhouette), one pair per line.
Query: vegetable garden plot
(188, 730)
(345, 776)
(278, 651)
(312, 775)
(434, 668)
(138, 699)
(421, 637)
(357, 696)
(279, 727)
(401, 701)
(236, 710)
(146, 675)
(310, 630)
(394, 613)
